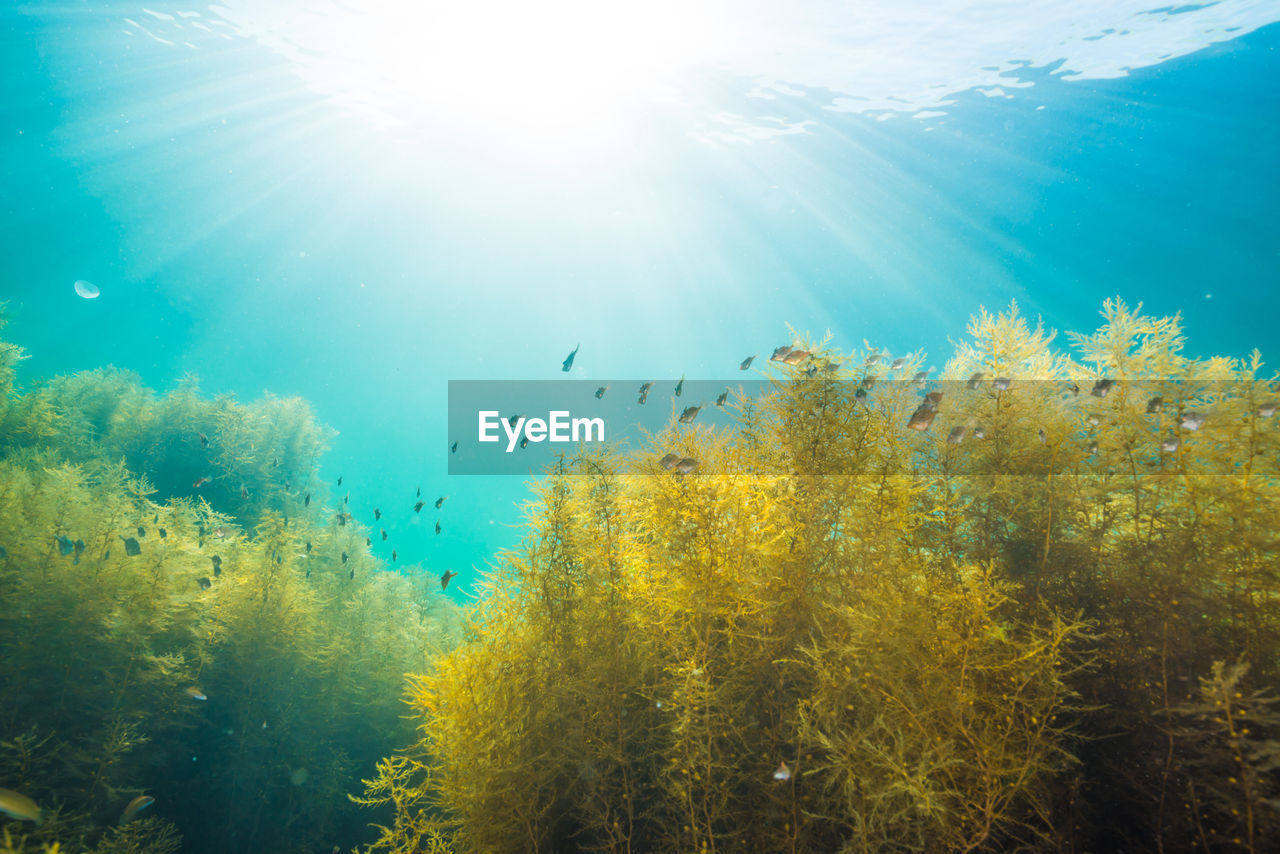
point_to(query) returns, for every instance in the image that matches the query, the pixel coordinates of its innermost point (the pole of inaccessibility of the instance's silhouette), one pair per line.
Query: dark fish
(868, 383)
(1102, 387)
(720, 401)
(686, 465)
(155, 519)
(780, 353)
(568, 360)
(131, 547)
(861, 393)
(453, 449)
(142, 532)
(78, 545)
(513, 420)
(644, 393)
(669, 461)
(341, 518)
(418, 494)
(524, 442)
(418, 505)
(306, 502)
(384, 535)
(377, 514)
(746, 363)
(200, 481)
(308, 547)
(244, 491)
(339, 480)
(344, 557)
(275, 461)
(975, 381)
(65, 546)
(368, 541)
(600, 391)
(1001, 383)
(204, 583)
(440, 501)
(811, 371)
(1155, 404)
(680, 386)
(4, 553)
(922, 417)
(217, 565)
(445, 578)
(346, 499)
(163, 533)
(690, 413)
(393, 555)
(204, 440)
(437, 527)
(352, 575)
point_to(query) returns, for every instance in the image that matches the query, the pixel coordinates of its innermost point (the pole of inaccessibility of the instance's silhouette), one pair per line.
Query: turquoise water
(250, 227)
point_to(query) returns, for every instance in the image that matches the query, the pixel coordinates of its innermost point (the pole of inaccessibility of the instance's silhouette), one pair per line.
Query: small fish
(933, 398)
(306, 502)
(368, 541)
(920, 377)
(524, 442)
(979, 432)
(204, 440)
(669, 461)
(418, 494)
(453, 449)
(724, 396)
(1102, 387)
(78, 545)
(163, 533)
(780, 353)
(871, 360)
(1266, 410)
(339, 480)
(19, 807)
(345, 557)
(65, 546)
(440, 501)
(1044, 437)
(437, 527)
(275, 462)
(568, 360)
(868, 383)
(745, 364)
(782, 772)
(377, 514)
(341, 518)
(135, 806)
(1192, 421)
(445, 578)
(957, 434)
(217, 565)
(200, 481)
(680, 386)
(131, 547)
(513, 420)
(922, 417)
(898, 363)
(418, 505)
(351, 576)
(346, 499)
(384, 535)
(393, 555)
(1074, 389)
(1170, 445)
(244, 492)
(1001, 383)
(686, 466)
(142, 532)
(4, 553)
(204, 582)
(600, 391)
(690, 413)
(196, 694)
(861, 393)
(308, 547)
(1155, 404)
(795, 357)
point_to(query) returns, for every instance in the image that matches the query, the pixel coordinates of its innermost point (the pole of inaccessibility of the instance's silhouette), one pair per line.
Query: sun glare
(550, 71)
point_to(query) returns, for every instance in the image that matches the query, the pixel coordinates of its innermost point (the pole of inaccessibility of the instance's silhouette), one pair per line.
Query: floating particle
(88, 290)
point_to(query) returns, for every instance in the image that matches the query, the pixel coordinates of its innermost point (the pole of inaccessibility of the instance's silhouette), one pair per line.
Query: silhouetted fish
(346, 499)
(217, 565)
(65, 546)
(377, 514)
(204, 583)
(644, 392)
(724, 396)
(200, 481)
(308, 547)
(339, 480)
(204, 440)
(163, 533)
(244, 492)
(445, 578)
(306, 501)
(975, 381)
(393, 555)
(513, 420)
(780, 353)
(568, 360)
(922, 417)
(131, 547)
(351, 576)
(1102, 387)
(437, 527)
(344, 557)
(453, 449)
(368, 541)
(418, 505)
(690, 413)
(142, 532)
(686, 465)
(384, 535)
(524, 442)
(1154, 405)
(600, 391)
(680, 386)
(746, 363)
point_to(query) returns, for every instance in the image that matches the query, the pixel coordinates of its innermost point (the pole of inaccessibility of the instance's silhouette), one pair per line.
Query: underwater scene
(575, 426)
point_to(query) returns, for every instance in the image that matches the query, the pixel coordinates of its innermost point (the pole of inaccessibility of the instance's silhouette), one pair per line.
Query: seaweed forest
(1030, 603)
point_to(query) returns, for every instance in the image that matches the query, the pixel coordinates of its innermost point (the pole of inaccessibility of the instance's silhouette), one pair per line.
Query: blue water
(250, 227)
